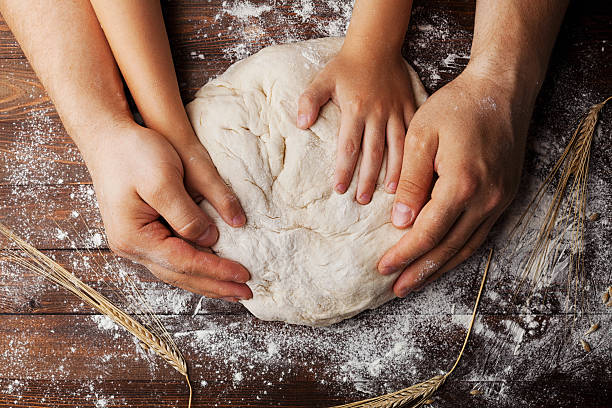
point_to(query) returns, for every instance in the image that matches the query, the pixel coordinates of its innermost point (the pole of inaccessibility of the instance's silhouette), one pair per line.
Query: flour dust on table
(311, 252)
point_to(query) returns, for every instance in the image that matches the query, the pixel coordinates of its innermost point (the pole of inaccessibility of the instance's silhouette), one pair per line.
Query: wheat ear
(37, 262)
(416, 395)
(572, 169)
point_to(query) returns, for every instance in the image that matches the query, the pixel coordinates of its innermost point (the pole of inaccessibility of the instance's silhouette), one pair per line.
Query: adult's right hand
(139, 182)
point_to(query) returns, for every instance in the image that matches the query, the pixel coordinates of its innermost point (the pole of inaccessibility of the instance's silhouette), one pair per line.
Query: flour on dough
(311, 252)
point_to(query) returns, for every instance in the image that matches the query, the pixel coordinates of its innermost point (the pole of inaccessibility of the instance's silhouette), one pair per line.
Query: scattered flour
(245, 9)
(391, 342)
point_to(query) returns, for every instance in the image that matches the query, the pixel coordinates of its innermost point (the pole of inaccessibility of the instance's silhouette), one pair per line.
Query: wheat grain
(475, 392)
(35, 261)
(572, 170)
(586, 346)
(419, 394)
(594, 217)
(592, 329)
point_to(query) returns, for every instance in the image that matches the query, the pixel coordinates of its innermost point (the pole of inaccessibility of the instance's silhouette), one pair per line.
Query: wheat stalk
(35, 261)
(417, 394)
(572, 170)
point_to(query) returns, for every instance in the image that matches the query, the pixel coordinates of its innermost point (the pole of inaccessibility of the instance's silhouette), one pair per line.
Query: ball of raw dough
(311, 252)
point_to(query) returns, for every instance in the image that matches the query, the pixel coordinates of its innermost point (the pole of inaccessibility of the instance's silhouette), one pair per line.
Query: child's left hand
(375, 97)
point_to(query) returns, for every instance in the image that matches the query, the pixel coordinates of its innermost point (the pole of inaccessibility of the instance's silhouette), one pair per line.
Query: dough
(311, 252)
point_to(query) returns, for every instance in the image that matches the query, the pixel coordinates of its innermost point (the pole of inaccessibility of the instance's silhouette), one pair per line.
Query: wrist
(94, 138)
(518, 83)
(369, 48)
(366, 54)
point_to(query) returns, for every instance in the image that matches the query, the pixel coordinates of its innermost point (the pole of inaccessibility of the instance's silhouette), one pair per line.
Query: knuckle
(426, 241)
(355, 106)
(228, 203)
(211, 265)
(378, 109)
(467, 186)
(177, 279)
(495, 199)
(376, 151)
(156, 192)
(350, 148)
(191, 228)
(308, 97)
(449, 250)
(408, 188)
(415, 141)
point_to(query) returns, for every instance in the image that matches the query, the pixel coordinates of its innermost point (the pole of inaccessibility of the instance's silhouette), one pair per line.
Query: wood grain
(56, 352)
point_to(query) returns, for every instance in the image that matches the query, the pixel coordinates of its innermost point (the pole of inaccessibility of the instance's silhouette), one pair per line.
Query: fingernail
(341, 188)
(386, 269)
(302, 120)
(391, 187)
(419, 288)
(404, 292)
(208, 237)
(230, 299)
(238, 220)
(364, 198)
(240, 278)
(401, 215)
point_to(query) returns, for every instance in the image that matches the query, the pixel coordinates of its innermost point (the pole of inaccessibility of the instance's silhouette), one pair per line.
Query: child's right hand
(139, 178)
(376, 100)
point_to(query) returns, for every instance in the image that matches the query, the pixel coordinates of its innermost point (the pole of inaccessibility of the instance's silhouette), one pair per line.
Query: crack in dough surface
(311, 252)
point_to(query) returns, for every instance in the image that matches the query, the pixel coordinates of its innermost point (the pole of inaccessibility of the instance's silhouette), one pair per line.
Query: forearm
(137, 36)
(513, 40)
(378, 28)
(68, 51)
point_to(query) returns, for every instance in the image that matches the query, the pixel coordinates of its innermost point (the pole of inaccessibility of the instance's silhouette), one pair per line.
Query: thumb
(415, 179)
(185, 217)
(311, 100)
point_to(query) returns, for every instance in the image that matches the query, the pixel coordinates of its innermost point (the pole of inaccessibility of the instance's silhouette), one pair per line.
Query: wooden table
(56, 352)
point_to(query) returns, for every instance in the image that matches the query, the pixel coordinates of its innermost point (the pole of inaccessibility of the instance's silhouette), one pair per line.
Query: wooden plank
(172, 393)
(241, 359)
(57, 217)
(25, 292)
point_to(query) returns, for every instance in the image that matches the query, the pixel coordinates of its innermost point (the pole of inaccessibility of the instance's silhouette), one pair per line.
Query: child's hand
(139, 178)
(471, 133)
(377, 104)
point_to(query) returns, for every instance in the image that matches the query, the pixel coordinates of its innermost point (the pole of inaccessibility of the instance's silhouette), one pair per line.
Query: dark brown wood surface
(57, 352)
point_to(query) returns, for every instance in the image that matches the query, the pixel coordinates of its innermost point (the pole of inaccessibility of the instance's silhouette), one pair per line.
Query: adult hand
(471, 134)
(376, 109)
(138, 177)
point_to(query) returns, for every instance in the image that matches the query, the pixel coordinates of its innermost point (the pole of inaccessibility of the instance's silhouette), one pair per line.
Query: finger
(430, 227)
(211, 288)
(206, 181)
(371, 160)
(158, 246)
(409, 111)
(175, 205)
(311, 100)
(395, 142)
(349, 141)
(417, 273)
(475, 241)
(415, 178)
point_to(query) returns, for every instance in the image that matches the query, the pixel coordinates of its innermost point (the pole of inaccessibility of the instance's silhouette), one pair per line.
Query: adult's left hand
(471, 134)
